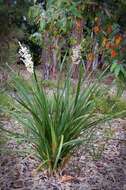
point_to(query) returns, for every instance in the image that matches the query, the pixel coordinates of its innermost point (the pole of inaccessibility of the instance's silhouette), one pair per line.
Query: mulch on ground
(87, 170)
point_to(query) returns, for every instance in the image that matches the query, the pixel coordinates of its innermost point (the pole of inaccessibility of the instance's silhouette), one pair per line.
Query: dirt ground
(103, 169)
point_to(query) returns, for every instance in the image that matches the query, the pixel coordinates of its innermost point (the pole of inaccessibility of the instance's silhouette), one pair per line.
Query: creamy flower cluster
(76, 54)
(26, 58)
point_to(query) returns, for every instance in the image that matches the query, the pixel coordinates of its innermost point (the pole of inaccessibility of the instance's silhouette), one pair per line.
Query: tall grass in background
(56, 124)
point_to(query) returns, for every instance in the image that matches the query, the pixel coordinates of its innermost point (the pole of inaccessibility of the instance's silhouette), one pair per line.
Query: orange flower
(96, 29)
(113, 53)
(90, 57)
(109, 29)
(118, 39)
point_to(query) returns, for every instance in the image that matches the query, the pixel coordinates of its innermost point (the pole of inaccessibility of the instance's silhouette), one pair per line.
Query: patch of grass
(6, 103)
(3, 139)
(110, 104)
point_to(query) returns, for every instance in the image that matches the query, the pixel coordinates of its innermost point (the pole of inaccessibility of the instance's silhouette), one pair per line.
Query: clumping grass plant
(56, 124)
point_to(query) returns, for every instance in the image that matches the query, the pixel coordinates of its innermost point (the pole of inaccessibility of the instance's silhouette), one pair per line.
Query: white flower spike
(26, 58)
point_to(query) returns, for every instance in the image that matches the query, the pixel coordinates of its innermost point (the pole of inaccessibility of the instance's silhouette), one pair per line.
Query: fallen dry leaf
(66, 178)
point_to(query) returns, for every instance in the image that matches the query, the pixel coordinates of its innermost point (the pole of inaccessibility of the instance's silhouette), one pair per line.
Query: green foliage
(61, 18)
(121, 85)
(36, 38)
(11, 28)
(34, 12)
(57, 123)
(118, 69)
(6, 105)
(3, 138)
(5, 101)
(110, 104)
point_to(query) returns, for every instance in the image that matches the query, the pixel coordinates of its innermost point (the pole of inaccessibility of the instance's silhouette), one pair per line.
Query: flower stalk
(26, 57)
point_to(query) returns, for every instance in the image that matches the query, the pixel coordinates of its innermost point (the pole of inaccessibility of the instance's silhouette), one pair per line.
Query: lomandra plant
(56, 124)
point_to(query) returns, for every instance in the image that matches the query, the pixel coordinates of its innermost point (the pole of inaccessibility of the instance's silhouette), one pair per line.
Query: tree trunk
(96, 56)
(49, 57)
(54, 58)
(45, 57)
